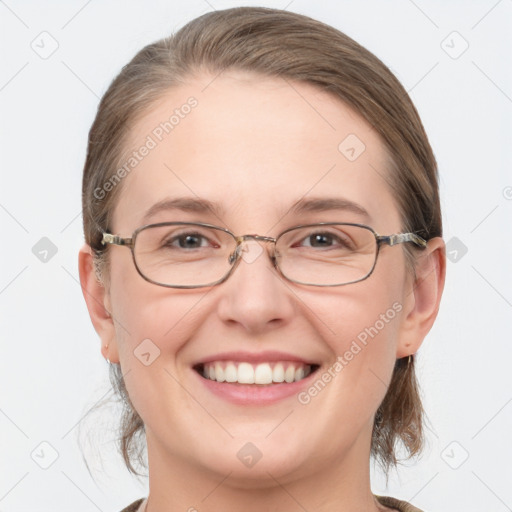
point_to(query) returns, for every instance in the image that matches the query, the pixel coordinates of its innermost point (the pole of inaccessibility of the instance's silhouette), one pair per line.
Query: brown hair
(273, 43)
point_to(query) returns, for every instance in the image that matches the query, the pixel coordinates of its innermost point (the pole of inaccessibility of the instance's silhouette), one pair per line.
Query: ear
(97, 299)
(421, 304)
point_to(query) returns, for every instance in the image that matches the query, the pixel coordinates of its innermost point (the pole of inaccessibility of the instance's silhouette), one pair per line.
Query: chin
(258, 463)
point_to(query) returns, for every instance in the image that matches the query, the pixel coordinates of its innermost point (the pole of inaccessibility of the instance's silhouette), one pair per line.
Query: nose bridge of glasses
(243, 238)
(249, 255)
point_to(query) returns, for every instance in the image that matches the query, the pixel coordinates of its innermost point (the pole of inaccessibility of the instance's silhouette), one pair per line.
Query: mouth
(268, 373)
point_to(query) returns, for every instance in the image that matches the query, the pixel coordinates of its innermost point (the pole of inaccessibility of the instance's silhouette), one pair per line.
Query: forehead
(255, 146)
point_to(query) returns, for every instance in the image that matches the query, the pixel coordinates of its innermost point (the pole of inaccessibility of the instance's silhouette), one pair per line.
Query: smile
(264, 373)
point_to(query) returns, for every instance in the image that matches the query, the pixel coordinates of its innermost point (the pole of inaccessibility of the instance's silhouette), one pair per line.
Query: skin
(256, 145)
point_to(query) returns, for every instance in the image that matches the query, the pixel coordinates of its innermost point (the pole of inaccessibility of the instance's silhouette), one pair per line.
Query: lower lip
(255, 394)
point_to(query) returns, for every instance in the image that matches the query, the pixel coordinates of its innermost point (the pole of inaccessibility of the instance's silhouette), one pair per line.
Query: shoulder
(393, 503)
(134, 507)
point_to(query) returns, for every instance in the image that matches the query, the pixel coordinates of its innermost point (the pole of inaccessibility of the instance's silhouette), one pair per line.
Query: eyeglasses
(193, 255)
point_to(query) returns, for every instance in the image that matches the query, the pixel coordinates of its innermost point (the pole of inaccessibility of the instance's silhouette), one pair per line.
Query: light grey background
(51, 369)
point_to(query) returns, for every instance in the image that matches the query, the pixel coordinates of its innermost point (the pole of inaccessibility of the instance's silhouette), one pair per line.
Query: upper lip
(254, 357)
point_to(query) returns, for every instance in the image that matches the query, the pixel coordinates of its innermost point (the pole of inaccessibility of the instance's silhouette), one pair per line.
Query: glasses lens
(327, 255)
(183, 254)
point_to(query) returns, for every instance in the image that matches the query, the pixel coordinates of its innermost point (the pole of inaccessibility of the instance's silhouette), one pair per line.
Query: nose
(255, 296)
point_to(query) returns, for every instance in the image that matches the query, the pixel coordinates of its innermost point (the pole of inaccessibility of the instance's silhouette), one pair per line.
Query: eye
(320, 240)
(190, 240)
(325, 239)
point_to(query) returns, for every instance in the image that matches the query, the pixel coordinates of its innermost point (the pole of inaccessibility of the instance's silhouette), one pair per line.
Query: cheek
(378, 335)
(149, 318)
(366, 337)
(361, 326)
(151, 330)
(360, 312)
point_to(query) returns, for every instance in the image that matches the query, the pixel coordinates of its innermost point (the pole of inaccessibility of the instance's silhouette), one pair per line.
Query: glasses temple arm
(115, 240)
(401, 238)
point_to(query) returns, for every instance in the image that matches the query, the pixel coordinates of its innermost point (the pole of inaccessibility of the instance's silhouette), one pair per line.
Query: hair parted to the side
(293, 47)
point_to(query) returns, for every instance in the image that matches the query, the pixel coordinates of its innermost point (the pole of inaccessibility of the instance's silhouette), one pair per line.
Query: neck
(176, 483)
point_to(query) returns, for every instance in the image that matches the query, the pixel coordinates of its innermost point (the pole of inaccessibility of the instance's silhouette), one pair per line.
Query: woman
(263, 370)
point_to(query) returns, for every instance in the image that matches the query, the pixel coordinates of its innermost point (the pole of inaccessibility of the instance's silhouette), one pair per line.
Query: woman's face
(255, 147)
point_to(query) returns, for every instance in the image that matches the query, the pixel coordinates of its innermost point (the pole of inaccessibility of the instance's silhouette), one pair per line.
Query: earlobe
(98, 304)
(424, 297)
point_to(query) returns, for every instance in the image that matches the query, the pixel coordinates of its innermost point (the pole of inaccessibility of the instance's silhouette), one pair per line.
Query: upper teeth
(263, 373)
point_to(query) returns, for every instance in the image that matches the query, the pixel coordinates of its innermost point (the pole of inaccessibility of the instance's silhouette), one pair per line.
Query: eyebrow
(199, 205)
(324, 204)
(186, 204)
